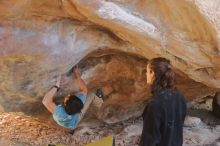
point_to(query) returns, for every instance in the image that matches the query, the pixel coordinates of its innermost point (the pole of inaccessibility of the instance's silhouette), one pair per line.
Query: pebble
(192, 122)
(217, 128)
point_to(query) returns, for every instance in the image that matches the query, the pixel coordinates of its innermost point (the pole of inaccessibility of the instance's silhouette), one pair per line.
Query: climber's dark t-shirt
(163, 119)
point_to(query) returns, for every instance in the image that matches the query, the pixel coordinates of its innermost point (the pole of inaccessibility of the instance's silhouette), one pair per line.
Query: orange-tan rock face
(112, 41)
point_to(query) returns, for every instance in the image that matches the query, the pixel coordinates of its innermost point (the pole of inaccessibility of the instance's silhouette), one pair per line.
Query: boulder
(111, 41)
(192, 122)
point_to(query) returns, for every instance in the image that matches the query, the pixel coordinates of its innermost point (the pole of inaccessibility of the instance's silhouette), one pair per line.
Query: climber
(164, 116)
(71, 111)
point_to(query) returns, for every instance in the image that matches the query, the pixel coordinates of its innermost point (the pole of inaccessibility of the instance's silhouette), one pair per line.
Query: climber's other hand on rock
(58, 81)
(76, 72)
(65, 80)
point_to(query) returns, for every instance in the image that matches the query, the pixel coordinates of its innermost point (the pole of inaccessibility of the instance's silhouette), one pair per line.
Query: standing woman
(163, 118)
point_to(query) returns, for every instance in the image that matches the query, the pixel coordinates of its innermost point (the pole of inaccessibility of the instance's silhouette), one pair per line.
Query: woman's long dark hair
(164, 76)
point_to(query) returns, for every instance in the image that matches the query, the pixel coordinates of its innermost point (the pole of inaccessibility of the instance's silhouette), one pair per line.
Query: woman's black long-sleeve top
(163, 119)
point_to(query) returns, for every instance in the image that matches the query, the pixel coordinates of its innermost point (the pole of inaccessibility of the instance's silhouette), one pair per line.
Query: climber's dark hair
(73, 105)
(164, 76)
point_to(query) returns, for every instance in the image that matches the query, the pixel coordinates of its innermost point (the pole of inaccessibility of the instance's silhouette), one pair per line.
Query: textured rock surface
(216, 105)
(112, 41)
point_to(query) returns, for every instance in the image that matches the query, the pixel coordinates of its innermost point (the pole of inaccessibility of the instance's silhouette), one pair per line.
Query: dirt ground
(17, 129)
(201, 128)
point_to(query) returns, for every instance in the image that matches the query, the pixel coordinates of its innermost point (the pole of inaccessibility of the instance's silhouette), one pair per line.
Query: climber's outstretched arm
(80, 81)
(48, 98)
